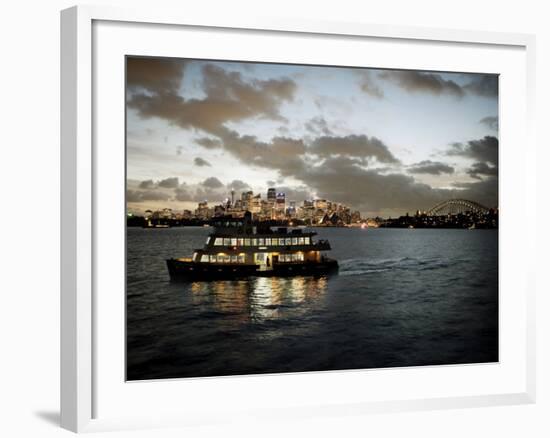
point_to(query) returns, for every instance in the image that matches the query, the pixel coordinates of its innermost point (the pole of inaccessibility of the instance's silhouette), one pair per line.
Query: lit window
(240, 242)
(288, 241)
(208, 240)
(195, 256)
(301, 240)
(233, 259)
(254, 242)
(212, 259)
(306, 240)
(234, 241)
(295, 241)
(261, 242)
(205, 258)
(218, 241)
(241, 258)
(246, 242)
(268, 241)
(300, 256)
(282, 242)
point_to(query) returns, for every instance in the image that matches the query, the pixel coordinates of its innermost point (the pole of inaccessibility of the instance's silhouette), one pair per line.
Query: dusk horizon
(382, 142)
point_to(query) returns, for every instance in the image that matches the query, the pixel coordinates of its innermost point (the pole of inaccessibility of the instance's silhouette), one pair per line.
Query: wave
(351, 267)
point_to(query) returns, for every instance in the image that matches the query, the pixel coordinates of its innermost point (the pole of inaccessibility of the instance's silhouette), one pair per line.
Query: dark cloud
(318, 125)
(352, 145)
(485, 191)
(212, 183)
(484, 150)
(155, 75)
(343, 179)
(430, 167)
(146, 195)
(209, 143)
(169, 183)
(483, 85)
(416, 81)
(229, 98)
(213, 195)
(147, 184)
(201, 162)
(281, 153)
(482, 169)
(238, 185)
(367, 85)
(491, 122)
(182, 193)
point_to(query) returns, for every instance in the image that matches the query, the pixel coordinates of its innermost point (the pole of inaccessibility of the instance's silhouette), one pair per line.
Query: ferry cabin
(263, 250)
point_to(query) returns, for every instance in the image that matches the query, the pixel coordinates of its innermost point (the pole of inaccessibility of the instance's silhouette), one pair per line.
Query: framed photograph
(257, 209)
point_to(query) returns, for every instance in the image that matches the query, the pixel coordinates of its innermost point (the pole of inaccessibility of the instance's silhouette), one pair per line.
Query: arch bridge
(456, 206)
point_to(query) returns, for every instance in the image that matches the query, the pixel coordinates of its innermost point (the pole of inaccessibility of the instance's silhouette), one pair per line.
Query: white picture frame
(83, 369)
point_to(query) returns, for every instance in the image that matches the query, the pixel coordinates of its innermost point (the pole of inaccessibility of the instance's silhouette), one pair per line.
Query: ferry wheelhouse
(237, 249)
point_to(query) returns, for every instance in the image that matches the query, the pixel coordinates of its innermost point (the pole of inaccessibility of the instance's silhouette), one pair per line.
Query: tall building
(271, 195)
(203, 211)
(246, 200)
(291, 210)
(280, 202)
(256, 204)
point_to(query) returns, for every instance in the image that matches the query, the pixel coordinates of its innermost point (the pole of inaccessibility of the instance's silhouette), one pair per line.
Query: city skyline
(380, 141)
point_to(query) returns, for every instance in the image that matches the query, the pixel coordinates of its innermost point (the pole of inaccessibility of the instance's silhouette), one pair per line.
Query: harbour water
(402, 298)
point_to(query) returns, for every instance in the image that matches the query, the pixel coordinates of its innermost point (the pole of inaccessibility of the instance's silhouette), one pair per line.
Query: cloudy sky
(382, 141)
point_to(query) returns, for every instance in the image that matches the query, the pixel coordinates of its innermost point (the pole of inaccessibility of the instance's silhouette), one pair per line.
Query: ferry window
(218, 241)
(306, 240)
(246, 242)
(241, 258)
(195, 256)
(261, 242)
(205, 258)
(295, 241)
(240, 242)
(233, 259)
(300, 256)
(226, 241)
(254, 242)
(234, 241)
(281, 241)
(268, 241)
(301, 240)
(288, 241)
(212, 259)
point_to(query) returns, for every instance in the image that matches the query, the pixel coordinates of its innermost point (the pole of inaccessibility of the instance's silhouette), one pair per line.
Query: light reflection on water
(259, 299)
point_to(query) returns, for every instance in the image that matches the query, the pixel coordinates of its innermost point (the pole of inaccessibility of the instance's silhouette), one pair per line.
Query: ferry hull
(189, 271)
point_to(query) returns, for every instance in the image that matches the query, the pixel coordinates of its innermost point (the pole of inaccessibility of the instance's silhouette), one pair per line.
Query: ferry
(237, 249)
